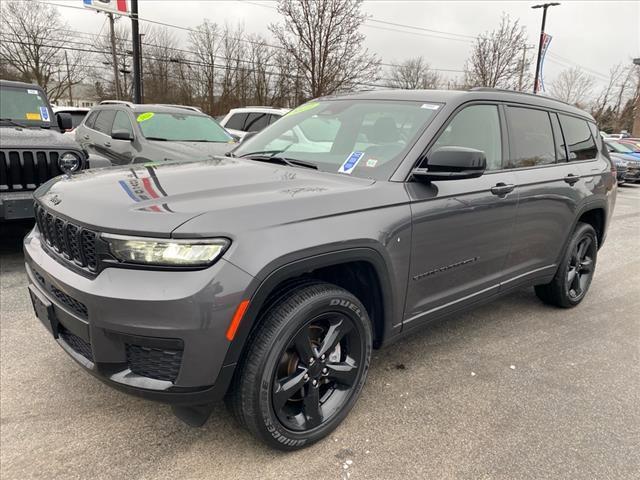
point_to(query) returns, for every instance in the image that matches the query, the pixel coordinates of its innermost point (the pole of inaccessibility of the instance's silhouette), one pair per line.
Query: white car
(77, 115)
(240, 121)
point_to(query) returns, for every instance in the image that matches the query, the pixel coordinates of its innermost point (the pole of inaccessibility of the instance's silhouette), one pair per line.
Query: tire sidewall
(273, 431)
(582, 231)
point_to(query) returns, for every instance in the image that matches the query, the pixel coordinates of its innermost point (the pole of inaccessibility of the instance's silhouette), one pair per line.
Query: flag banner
(546, 40)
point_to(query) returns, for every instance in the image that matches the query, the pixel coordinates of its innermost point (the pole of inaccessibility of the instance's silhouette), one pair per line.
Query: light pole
(635, 131)
(544, 7)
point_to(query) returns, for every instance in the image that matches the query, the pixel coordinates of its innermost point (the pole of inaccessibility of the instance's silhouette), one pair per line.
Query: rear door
(462, 229)
(100, 134)
(549, 191)
(122, 151)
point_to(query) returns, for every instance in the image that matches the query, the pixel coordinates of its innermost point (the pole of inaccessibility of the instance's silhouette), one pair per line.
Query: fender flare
(280, 270)
(599, 204)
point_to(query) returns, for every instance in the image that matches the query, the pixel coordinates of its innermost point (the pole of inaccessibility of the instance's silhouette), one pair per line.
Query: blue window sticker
(351, 162)
(44, 114)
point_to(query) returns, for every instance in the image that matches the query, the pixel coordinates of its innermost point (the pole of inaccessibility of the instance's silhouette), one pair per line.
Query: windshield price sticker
(144, 116)
(304, 108)
(30, 91)
(430, 106)
(351, 162)
(44, 114)
(33, 116)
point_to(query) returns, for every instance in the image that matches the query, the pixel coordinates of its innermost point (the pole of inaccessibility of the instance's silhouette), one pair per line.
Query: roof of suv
(462, 96)
(261, 109)
(12, 83)
(149, 107)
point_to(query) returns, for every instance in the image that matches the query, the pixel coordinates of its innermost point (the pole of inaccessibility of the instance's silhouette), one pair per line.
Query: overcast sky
(594, 35)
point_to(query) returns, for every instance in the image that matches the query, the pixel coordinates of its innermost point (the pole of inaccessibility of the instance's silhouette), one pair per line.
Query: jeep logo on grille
(55, 200)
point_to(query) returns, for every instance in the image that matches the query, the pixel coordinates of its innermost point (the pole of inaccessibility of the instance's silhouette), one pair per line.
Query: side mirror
(121, 135)
(247, 136)
(452, 163)
(64, 121)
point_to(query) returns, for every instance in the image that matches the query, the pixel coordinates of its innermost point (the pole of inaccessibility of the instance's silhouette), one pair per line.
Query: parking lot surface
(511, 390)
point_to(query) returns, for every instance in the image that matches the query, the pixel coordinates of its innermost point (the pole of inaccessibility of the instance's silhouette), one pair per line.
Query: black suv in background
(269, 276)
(127, 133)
(32, 149)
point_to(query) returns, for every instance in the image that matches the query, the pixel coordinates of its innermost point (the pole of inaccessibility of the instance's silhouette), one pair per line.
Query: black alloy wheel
(580, 268)
(317, 371)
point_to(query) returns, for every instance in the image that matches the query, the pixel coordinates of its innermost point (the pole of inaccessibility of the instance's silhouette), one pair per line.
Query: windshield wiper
(13, 122)
(292, 162)
(160, 139)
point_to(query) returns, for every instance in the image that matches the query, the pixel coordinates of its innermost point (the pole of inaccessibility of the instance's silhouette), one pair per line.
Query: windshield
(27, 106)
(180, 127)
(620, 147)
(364, 138)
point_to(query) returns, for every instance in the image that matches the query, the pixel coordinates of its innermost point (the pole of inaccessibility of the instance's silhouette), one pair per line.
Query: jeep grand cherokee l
(268, 276)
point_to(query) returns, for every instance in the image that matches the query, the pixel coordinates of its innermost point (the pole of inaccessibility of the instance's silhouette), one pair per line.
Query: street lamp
(544, 6)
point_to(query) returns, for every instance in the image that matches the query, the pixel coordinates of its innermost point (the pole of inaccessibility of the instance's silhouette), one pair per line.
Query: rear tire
(304, 366)
(575, 273)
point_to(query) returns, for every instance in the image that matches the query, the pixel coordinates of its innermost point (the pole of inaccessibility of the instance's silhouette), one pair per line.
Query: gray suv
(126, 133)
(268, 276)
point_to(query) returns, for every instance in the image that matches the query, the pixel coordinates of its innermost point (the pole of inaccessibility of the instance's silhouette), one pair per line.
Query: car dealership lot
(514, 389)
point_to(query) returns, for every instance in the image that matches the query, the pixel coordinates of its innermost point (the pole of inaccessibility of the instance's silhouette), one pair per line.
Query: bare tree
(205, 44)
(613, 108)
(32, 43)
(322, 37)
(415, 73)
(572, 86)
(103, 75)
(497, 57)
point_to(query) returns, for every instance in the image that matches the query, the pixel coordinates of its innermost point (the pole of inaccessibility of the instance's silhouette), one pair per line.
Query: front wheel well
(360, 278)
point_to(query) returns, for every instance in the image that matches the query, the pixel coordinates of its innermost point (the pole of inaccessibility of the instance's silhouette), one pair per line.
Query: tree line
(316, 49)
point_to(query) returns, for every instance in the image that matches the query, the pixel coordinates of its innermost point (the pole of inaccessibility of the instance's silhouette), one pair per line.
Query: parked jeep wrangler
(268, 277)
(32, 147)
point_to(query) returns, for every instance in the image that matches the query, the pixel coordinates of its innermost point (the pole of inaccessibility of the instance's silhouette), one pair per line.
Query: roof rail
(506, 90)
(265, 106)
(117, 102)
(186, 107)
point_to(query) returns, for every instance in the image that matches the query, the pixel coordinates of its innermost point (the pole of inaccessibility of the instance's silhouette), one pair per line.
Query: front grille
(76, 343)
(74, 305)
(23, 170)
(157, 363)
(68, 240)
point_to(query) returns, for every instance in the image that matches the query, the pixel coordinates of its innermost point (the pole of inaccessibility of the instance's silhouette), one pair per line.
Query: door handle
(107, 144)
(86, 137)
(571, 179)
(502, 189)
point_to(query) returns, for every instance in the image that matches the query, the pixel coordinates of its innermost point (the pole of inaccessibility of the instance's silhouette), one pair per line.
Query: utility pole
(114, 56)
(544, 6)
(66, 59)
(135, 37)
(141, 70)
(524, 62)
(635, 131)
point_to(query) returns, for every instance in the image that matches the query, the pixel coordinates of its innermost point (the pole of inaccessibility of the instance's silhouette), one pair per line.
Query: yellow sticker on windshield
(304, 108)
(145, 116)
(33, 116)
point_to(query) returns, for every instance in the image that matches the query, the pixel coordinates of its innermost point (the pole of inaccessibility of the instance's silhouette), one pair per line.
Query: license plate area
(44, 310)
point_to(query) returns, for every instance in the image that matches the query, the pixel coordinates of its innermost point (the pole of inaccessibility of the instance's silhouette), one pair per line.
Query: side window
(122, 122)
(256, 122)
(273, 118)
(104, 121)
(577, 135)
(91, 119)
(530, 138)
(561, 153)
(236, 122)
(477, 126)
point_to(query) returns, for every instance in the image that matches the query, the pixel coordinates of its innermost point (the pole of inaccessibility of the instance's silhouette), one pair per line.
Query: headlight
(69, 162)
(167, 252)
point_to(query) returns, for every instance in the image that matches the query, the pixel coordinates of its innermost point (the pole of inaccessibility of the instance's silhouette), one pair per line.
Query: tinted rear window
(76, 118)
(236, 122)
(530, 138)
(256, 122)
(580, 142)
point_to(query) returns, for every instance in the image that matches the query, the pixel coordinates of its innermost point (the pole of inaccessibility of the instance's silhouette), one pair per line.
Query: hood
(47, 138)
(193, 150)
(227, 194)
(627, 157)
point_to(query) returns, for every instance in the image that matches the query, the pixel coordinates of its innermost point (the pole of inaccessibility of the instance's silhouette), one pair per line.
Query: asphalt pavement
(512, 390)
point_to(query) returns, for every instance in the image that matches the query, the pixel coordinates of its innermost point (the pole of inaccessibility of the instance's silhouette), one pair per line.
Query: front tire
(304, 367)
(573, 277)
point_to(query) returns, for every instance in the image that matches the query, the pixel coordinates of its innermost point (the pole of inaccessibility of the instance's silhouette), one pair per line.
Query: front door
(462, 229)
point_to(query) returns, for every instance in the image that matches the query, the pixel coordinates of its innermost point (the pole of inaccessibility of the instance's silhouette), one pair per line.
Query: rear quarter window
(578, 137)
(236, 122)
(91, 119)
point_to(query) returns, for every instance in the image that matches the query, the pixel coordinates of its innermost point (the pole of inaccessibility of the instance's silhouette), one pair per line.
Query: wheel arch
(364, 262)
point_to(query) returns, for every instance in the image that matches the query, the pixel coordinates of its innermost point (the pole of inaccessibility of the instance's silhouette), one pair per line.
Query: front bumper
(156, 334)
(632, 174)
(16, 205)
